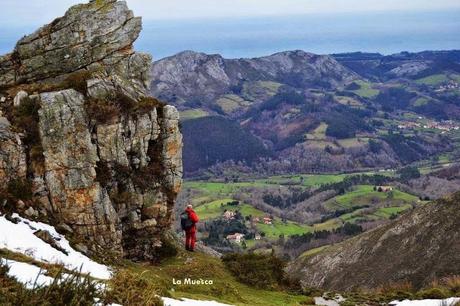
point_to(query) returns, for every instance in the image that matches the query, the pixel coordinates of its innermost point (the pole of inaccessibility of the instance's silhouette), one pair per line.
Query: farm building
(237, 237)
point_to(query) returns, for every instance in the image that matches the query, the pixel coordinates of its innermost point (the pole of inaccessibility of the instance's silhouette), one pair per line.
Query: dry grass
(452, 283)
(76, 80)
(128, 288)
(395, 287)
(109, 111)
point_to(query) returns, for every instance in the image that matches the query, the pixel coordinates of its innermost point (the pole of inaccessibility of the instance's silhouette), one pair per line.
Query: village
(239, 237)
(451, 85)
(445, 125)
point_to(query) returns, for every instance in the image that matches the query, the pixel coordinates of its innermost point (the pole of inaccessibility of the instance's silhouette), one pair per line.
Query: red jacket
(194, 217)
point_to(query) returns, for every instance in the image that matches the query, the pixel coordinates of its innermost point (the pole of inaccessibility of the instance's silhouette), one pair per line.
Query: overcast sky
(37, 12)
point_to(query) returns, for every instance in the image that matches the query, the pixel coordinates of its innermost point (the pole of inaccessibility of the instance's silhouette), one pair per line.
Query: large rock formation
(98, 153)
(418, 247)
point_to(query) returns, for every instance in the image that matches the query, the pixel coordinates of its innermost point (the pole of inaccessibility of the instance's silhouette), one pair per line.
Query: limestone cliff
(82, 143)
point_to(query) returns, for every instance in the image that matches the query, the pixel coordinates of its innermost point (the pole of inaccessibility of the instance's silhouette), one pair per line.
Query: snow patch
(20, 238)
(189, 302)
(447, 302)
(27, 274)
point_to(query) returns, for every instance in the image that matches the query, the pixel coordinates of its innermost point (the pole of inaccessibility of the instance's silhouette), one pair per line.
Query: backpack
(185, 221)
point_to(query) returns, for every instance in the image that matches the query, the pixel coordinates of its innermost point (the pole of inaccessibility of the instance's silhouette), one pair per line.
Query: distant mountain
(190, 76)
(315, 113)
(417, 247)
(405, 64)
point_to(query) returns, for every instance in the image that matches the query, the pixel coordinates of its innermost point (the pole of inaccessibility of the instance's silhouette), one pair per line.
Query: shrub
(147, 104)
(69, 289)
(167, 250)
(259, 270)
(77, 81)
(308, 301)
(101, 110)
(20, 189)
(105, 111)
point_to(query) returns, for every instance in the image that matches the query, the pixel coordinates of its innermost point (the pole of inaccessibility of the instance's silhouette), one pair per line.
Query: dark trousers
(190, 238)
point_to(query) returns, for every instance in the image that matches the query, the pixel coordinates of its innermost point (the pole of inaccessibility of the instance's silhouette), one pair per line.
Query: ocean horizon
(385, 33)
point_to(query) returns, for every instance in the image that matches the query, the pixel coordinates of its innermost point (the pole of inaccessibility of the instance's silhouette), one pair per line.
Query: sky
(15, 12)
(244, 28)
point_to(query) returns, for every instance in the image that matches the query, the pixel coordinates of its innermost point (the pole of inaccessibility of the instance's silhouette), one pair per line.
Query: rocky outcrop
(100, 155)
(419, 247)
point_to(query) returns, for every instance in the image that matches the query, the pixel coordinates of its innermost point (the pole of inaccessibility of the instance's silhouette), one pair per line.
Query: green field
(365, 194)
(421, 101)
(306, 180)
(353, 142)
(387, 212)
(216, 208)
(348, 101)
(211, 198)
(193, 114)
(283, 228)
(260, 89)
(319, 133)
(434, 79)
(366, 90)
(231, 103)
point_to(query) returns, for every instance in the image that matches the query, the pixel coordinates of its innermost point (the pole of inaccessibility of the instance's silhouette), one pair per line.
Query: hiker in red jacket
(189, 226)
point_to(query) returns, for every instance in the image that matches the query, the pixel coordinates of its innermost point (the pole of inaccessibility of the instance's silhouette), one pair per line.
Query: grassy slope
(363, 194)
(225, 288)
(434, 79)
(398, 202)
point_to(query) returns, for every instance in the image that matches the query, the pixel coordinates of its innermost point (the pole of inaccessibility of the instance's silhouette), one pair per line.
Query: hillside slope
(418, 247)
(318, 112)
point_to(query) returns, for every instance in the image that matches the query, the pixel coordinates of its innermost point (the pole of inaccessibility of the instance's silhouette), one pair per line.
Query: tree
(408, 173)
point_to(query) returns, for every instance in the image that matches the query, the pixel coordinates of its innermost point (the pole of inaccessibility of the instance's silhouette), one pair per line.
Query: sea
(383, 32)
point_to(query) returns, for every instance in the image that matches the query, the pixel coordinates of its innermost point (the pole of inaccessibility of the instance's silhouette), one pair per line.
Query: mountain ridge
(418, 247)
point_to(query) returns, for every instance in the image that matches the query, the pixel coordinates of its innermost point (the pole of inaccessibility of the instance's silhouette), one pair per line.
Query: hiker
(188, 220)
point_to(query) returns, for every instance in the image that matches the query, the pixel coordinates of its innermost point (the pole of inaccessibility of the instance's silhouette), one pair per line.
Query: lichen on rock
(111, 157)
